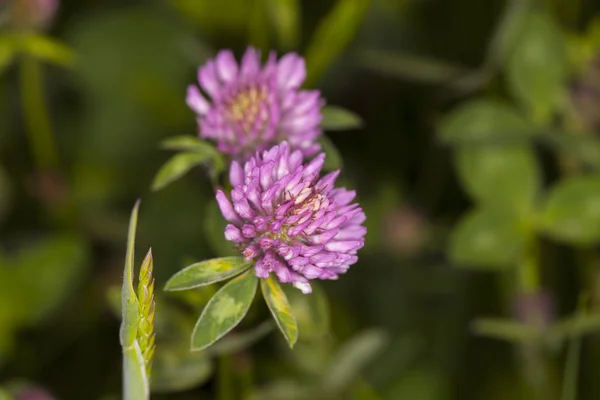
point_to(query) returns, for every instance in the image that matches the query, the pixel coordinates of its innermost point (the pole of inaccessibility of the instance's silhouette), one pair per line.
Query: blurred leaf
(507, 33)
(209, 16)
(47, 272)
(238, 341)
(214, 230)
(47, 49)
(176, 167)
(505, 329)
(536, 67)
(351, 358)
(575, 326)
(175, 371)
(484, 120)
(113, 298)
(333, 35)
(285, 18)
(487, 238)
(225, 310)
(333, 158)
(584, 148)
(339, 119)
(572, 210)
(7, 52)
(506, 176)
(280, 308)
(410, 67)
(207, 272)
(311, 312)
(135, 381)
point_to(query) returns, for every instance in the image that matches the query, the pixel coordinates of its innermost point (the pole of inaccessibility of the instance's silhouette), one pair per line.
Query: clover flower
(248, 107)
(293, 223)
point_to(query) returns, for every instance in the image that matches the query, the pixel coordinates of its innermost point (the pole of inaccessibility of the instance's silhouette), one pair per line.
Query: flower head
(247, 108)
(291, 222)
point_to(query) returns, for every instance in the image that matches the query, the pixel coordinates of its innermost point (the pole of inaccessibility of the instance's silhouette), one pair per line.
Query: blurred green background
(476, 163)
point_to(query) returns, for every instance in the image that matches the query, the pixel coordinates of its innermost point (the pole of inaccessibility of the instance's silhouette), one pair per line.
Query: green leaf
(225, 310)
(285, 18)
(507, 32)
(47, 49)
(176, 167)
(135, 381)
(280, 308)
(505, 329)
(583, 148)
(339, 119)
(506, 176)
(175, 371)
(128, 297)
(351, 358)
(332, 36)
(333, 159)
(59, 265)
(484, 120)
(572, 210)
(410, 67)
(536, 67)
(207, 272)
(487, 238)
(575, 326)
(188, 143)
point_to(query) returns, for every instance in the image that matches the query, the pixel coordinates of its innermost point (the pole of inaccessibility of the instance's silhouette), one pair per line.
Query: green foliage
(47, 49)
(207, 272)
(339, 119)
(280, 309)
(504, 176)
(487, 238)
(333, 35)
(36, 281)
(484, 121)
(410, 67)
(536, 67)
(351, 358)
(572, 212)
(285, 16)
(225, 310)
(194, 152)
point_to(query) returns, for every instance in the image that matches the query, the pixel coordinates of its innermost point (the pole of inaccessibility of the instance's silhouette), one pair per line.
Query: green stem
(529, 273)
(225, 378)
(572, 363)
(41, 140)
